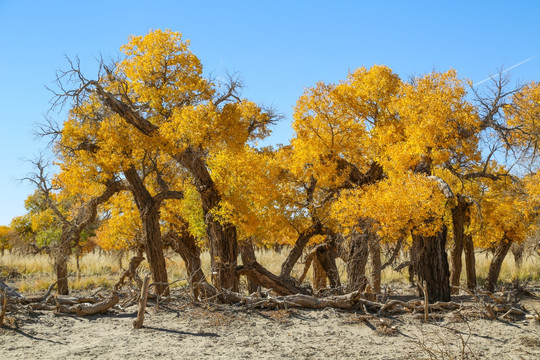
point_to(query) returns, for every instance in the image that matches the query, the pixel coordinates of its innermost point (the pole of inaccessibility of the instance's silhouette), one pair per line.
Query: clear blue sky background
(277, 47)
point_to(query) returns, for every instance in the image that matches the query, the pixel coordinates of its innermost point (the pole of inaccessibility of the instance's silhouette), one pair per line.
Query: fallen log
(72, 300)
(84, 310)
(347, 301)
(259, 275)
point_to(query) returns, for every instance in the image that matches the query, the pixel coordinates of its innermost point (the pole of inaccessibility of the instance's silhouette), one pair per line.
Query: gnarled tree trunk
(432, 265)
(222, 236)
(151, 232)
(357, 261)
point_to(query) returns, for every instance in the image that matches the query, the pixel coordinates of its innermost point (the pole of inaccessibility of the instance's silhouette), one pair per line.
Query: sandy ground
(179, 330)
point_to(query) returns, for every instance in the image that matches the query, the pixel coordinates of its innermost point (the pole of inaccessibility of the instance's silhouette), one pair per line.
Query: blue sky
(277, 47)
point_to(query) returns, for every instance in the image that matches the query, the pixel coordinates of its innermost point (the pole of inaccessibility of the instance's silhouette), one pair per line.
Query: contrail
(505, 70)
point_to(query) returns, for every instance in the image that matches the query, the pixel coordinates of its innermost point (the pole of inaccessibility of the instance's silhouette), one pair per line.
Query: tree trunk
(222, 236)
(149, 215)
(61, 269)
(375, 253)
(154, 247)
(358, 257)
(517, 251)
(319, 275)
(185, 244)
(459, 220)
(61, 258)
(432, 265)
(78, 263)
(326, 256)
(247, 253)
(470, 262)
(495, 267)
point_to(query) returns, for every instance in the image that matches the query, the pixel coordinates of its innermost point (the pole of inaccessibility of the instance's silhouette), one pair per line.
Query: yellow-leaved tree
(157, 98)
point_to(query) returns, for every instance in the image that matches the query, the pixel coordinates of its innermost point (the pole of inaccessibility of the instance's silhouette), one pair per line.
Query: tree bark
(185, 244)
(432, 265)
(459, 221)
(376, 265)
(61, 258)
(470, 262)
(149, 215)
(495, 267)
(358, 257)
(247, 253)
(326, 256)
(319, 275)
(222, 236)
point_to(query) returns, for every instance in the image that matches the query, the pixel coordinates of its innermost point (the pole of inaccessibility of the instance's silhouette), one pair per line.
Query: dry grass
(34, 273)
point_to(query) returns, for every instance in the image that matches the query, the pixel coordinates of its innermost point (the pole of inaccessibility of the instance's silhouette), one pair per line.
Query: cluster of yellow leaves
(412, 203)
(162, 72)
(120, 231)
(251, 184)
(505, 215)
(187, 211)
(339, 121)
(4, 237)
(524, 114)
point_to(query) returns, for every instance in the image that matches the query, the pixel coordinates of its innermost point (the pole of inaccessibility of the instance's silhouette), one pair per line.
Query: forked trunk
(432, 265)
(495, 267)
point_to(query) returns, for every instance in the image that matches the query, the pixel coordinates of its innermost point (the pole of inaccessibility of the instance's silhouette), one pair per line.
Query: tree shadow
(20, 332)
(177, 332)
